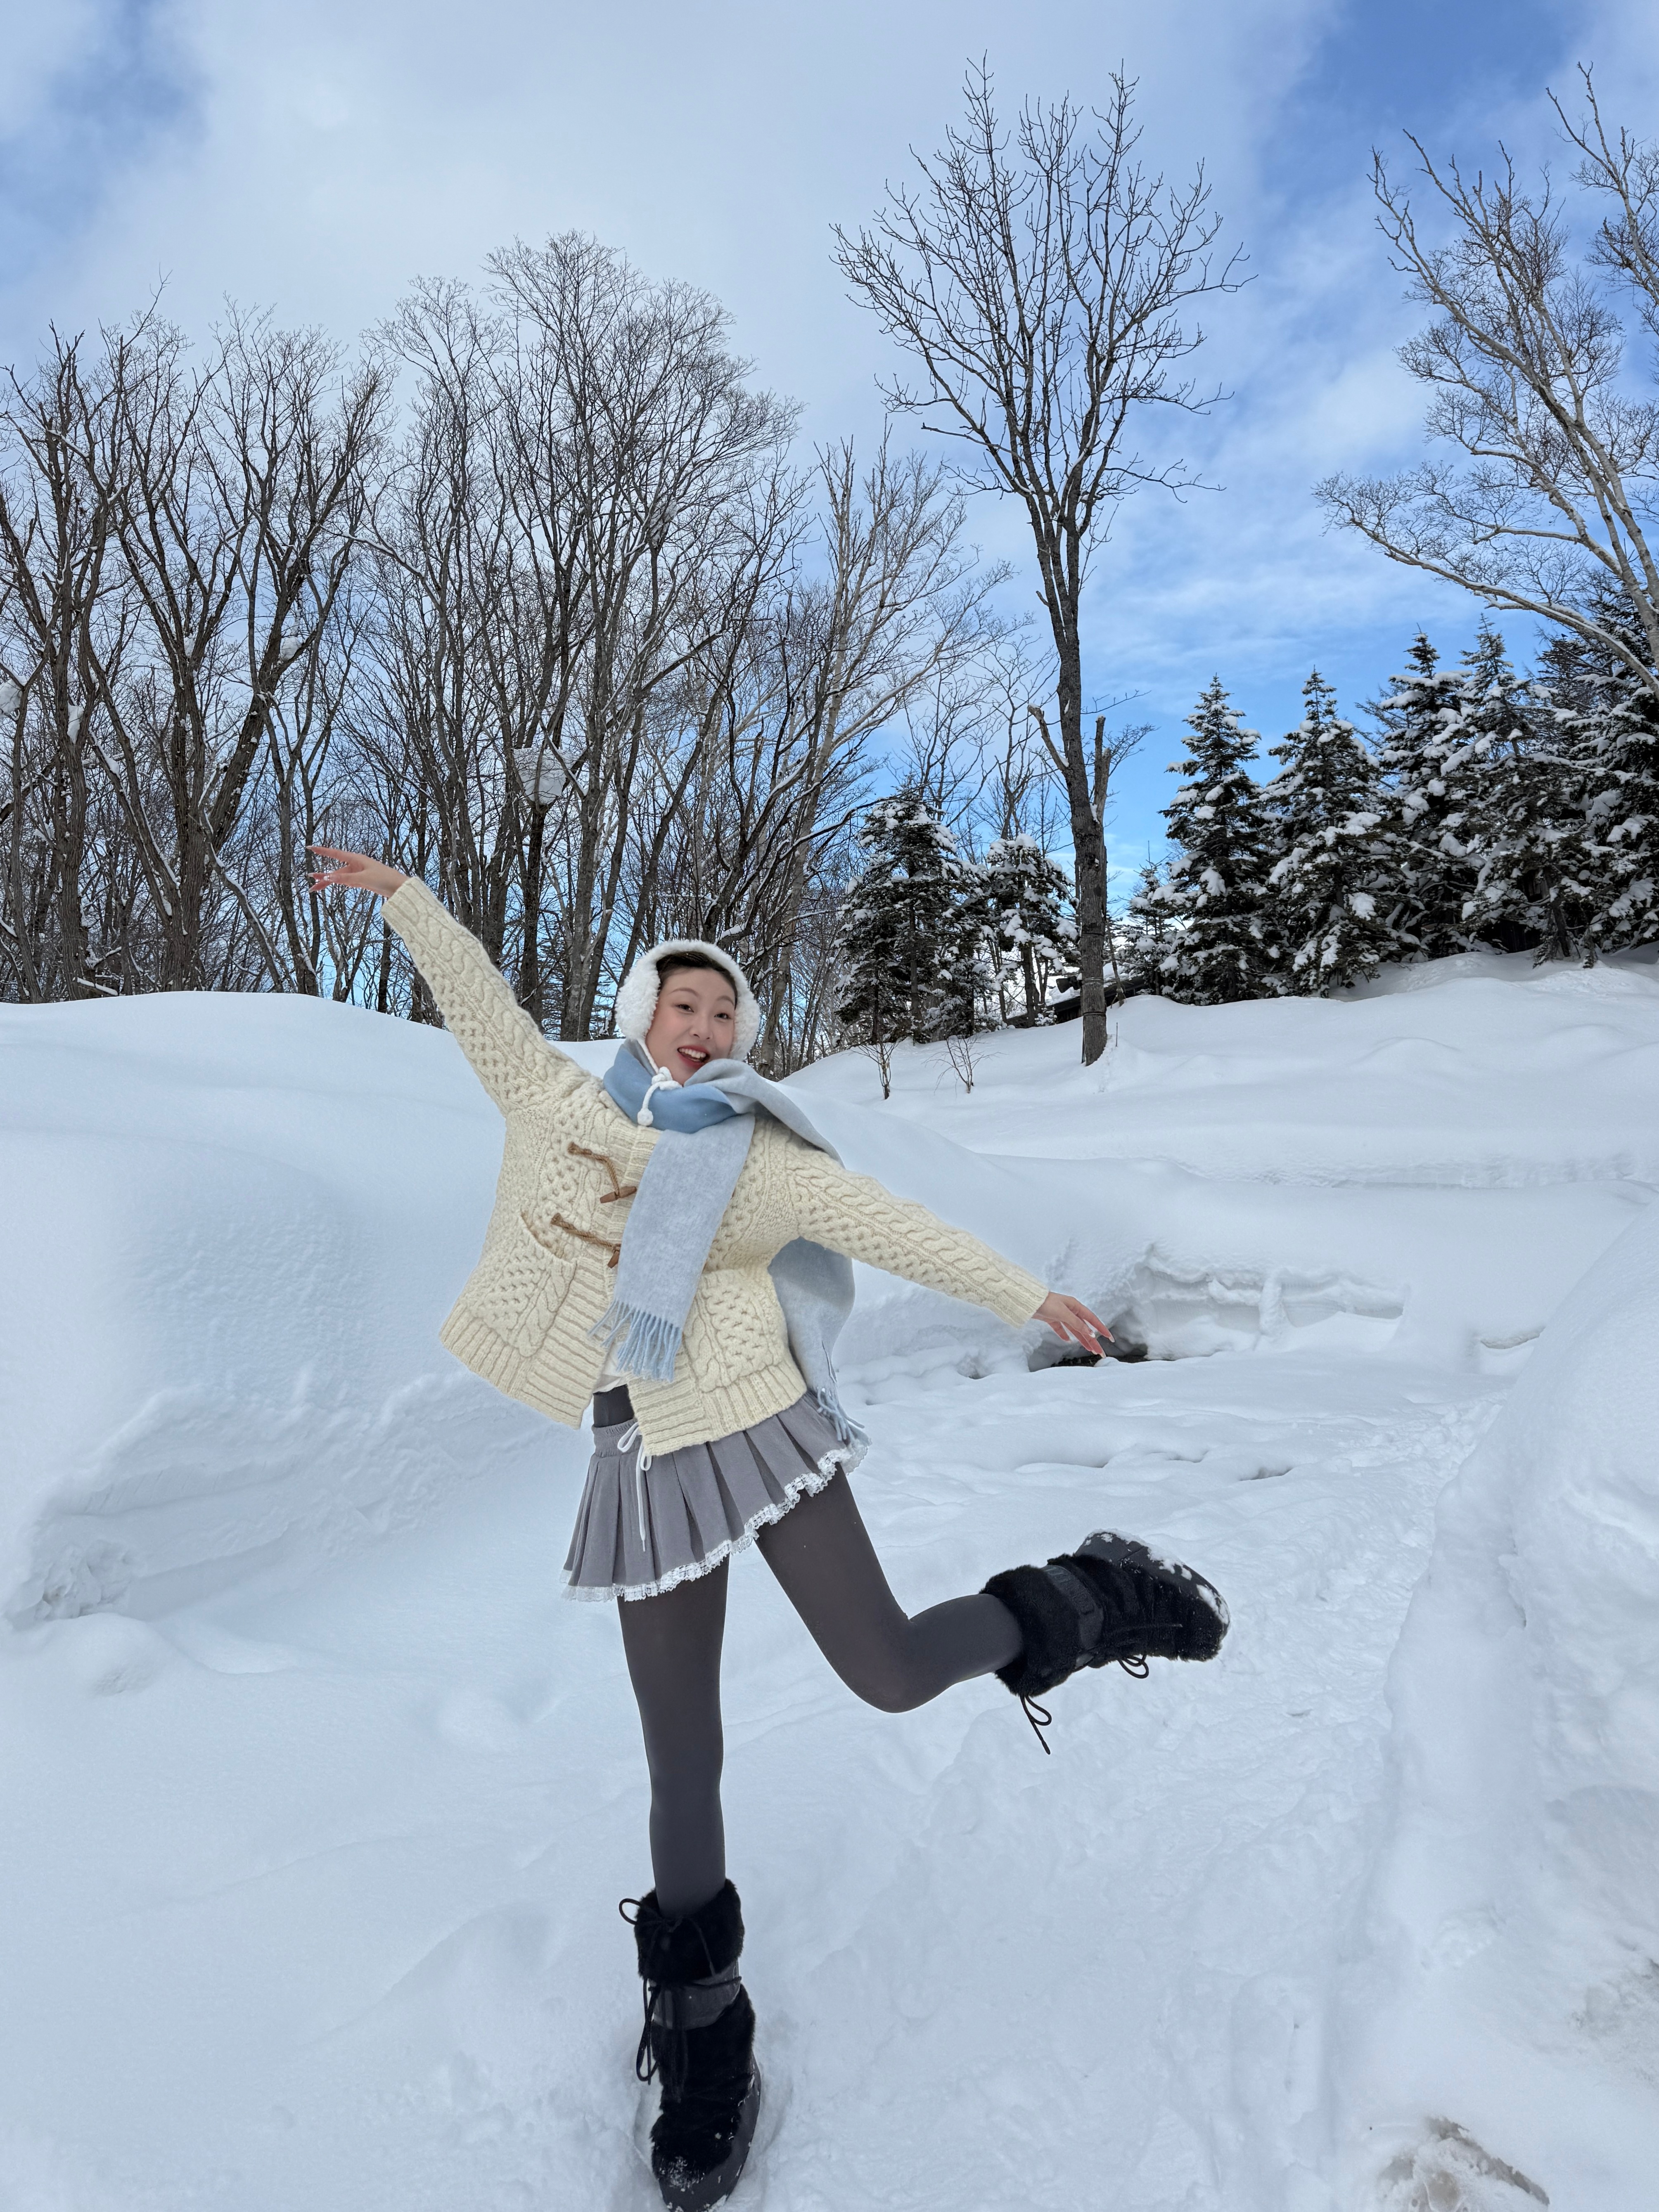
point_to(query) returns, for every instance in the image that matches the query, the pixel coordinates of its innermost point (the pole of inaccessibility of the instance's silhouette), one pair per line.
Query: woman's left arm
(853, 1214)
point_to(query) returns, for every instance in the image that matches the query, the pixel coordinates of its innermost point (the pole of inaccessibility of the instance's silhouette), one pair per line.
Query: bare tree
(1108, 754)
(56, 580)
(1555, 504)
(648, 444)
(589, 500)
(880, 1057)
(234, 490)
(445, 596)
(312, 799)
(963, 1052)
(886, 605)
(955, 731)
(803, 989)
(1005, 785)
(585, 649)
(1040, 286)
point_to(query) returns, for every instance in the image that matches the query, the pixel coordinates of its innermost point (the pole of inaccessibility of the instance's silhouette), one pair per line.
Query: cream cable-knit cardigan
(544, 1277)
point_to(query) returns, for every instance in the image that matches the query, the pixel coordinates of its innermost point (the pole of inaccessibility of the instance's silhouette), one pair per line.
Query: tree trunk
(1089, 853)
(70, 837)
(1028, 971)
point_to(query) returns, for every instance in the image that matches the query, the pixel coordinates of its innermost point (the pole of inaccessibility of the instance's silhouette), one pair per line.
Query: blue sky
(316, 155)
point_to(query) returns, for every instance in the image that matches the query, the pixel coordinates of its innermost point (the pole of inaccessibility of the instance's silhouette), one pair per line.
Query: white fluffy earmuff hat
(637, 1001)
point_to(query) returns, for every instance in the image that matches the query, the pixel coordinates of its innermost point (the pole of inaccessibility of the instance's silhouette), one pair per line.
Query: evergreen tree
(1524, 825)
(1426, 875)
(1144, 933)
(1606, 719)
(1211, 895)
(1027, 898)
(911, 931)
(1323, 922)
(969, 960)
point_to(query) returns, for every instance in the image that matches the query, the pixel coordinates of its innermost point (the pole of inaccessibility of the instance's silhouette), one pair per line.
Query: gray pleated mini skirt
(645, 1524)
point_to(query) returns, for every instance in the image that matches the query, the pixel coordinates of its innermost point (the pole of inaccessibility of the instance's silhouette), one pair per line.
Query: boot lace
(1042, 1719)
(670, 2060)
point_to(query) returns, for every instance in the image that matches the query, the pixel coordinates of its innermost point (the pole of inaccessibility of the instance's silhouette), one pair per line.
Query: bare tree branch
(1040, 281)
(1553, 504)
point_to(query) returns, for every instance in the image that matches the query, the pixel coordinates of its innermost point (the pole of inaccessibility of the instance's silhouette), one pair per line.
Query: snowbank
(234, 1224)
(1506, 2033)
(322, 1798)
(1421, 1174)
(1529, 1076)
(231, 1228)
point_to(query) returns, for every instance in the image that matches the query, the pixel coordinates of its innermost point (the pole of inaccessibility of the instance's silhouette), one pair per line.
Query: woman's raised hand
(1072, 1318)
(354, 872)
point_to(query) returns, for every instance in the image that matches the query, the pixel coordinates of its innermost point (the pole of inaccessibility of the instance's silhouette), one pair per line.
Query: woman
(672, 1245)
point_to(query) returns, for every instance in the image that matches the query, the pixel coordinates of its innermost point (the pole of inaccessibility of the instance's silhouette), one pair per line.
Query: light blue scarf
(707, 1127)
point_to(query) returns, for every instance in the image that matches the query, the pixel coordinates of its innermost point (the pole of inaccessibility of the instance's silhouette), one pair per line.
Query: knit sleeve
(853, 1214)
(507, 1051)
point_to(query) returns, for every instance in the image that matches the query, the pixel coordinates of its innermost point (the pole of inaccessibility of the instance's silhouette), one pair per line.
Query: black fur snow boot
(1110, 1600)
(699, 2039)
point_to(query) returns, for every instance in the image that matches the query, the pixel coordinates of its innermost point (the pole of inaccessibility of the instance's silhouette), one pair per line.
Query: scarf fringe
(644, 1345)
(846, 1428)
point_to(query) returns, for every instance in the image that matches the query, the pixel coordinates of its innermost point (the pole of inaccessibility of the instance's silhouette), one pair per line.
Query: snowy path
(350, 1852)
(318, 1798)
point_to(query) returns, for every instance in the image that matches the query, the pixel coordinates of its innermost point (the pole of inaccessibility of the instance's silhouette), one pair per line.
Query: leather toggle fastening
(604, 1244)
(618, 1187)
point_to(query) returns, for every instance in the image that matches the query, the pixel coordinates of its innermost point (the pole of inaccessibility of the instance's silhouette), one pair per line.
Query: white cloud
(43, 44)
(334, 151)
(318, 155)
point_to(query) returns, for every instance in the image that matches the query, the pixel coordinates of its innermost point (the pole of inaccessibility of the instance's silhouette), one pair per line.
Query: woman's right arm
(508, 1053)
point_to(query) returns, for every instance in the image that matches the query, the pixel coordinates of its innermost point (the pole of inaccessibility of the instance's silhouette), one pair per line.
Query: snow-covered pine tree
(1524, 824)
(1607, 720)
(1144, 932)
(1321, 919)
(1426, 877)
(968, 957)
(1027, 898)
(908, 939)
(1213, 892)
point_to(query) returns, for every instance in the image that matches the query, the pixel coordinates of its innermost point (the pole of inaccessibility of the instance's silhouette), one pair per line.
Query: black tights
(822, 1555)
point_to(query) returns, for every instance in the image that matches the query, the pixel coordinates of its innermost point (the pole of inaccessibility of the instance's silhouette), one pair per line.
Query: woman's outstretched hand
(354, 872)
(1072, 1318)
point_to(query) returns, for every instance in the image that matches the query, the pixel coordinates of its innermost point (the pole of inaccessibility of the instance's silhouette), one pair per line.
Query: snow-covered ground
(318, 1799)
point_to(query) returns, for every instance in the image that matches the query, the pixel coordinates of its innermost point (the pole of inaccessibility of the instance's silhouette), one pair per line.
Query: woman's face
(695, 1021)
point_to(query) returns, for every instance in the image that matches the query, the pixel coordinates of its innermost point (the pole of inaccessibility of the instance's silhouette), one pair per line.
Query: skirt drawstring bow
(628, 1441)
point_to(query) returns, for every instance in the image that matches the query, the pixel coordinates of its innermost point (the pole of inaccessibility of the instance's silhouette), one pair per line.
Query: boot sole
(1115, 1551)
(696, 2194)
